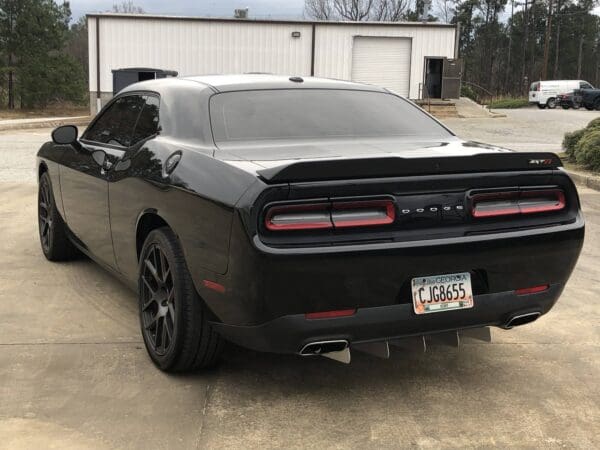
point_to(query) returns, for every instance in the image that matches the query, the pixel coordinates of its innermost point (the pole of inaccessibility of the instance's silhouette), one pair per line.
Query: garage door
(382, 61)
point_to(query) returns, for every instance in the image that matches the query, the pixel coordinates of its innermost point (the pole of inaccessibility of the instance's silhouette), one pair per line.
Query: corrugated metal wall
(333, 48)
(196, 47)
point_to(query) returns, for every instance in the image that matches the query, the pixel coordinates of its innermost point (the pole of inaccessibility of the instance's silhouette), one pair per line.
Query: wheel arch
(42, 168)
(148, 221)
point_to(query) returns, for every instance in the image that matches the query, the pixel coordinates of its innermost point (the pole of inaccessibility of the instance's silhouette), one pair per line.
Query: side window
(147, 124)
(115, 126)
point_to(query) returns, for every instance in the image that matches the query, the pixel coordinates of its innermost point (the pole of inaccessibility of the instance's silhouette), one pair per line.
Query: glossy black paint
(214, 198)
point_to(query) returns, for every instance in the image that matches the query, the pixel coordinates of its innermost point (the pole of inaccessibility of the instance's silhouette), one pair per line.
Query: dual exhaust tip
(339, 349)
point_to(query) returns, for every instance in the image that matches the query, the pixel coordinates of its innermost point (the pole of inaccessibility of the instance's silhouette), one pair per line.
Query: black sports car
(303, 215)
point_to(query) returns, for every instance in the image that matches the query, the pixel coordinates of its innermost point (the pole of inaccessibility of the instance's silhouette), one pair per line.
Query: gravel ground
(525, 129)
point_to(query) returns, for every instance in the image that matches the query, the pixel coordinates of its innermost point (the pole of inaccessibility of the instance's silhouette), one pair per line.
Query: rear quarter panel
(196, 200)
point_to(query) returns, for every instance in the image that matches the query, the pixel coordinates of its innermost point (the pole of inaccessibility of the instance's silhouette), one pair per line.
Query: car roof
(256, 81)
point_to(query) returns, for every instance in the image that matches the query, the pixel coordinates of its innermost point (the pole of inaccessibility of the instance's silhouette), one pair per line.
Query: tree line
(43, 55)
(504, 44)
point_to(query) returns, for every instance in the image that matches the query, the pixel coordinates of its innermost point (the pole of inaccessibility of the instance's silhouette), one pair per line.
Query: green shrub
(587, 151)
(467, 91)
(594, 124)
(509, 103)
(570, 141)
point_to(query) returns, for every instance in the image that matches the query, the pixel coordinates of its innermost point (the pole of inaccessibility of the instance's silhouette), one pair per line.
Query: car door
(84, 174)
(128, 197)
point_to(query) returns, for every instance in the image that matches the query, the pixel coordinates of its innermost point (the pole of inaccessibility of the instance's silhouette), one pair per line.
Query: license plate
(442, 293)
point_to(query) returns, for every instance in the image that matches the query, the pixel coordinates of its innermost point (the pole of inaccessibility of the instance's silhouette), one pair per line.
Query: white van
(544, 93)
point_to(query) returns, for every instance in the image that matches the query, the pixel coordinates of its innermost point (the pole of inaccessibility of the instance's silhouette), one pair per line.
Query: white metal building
(403, 57)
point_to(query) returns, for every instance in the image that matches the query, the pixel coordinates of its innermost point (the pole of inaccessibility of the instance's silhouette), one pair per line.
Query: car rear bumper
(290, 333)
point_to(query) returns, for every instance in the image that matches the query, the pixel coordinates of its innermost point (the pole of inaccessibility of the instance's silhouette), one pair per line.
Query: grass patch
(55, 110)
(509, 103)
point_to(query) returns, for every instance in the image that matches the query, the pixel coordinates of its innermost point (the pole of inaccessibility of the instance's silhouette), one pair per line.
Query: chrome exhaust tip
(522, 319)
(321, 347)
(337, 350)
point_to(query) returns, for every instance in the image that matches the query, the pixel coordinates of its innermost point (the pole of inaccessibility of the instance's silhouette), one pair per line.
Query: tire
(589, 108)
(551, 103)
(56, 246)
(541, 106)
(565, 106)
(173, 318)
(576, 105)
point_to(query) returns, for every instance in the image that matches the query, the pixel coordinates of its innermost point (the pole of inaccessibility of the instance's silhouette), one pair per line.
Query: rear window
(316, 113)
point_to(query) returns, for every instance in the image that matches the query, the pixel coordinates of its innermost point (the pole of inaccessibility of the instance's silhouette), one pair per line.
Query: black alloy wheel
(174, 320)
(158, 300)
(56, 246)
(45, 214)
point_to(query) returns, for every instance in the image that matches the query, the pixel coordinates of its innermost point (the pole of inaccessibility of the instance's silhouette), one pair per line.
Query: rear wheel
(173, 318)
(56, 246)
(589, 107)
(565, 106)
(551, 103)
(541, 106)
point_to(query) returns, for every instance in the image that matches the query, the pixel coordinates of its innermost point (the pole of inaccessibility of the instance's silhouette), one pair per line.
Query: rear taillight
(362, 214)
(299, 217)
(516, 202)
(346, 214)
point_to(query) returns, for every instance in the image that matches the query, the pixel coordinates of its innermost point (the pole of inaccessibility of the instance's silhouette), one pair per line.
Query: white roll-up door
(384, 61)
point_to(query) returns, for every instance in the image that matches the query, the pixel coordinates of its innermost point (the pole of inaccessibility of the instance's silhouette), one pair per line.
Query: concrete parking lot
(74, 373)
(525, 129)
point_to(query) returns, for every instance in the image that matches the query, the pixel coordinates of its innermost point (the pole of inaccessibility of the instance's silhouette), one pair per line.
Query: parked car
(567, 101)
(590, 98)
(303, 216)
(545, 93)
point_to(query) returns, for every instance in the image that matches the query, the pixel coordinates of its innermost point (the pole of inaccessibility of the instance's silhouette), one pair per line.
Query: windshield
(317, 113)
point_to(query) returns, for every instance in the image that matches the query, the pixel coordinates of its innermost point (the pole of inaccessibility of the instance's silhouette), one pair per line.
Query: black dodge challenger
(303, 215)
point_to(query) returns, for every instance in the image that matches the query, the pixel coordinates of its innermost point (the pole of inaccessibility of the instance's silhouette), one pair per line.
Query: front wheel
(56, 246)
(173, 318)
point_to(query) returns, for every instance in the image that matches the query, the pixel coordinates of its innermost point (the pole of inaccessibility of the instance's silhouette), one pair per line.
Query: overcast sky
(289, 9)
(281, 9)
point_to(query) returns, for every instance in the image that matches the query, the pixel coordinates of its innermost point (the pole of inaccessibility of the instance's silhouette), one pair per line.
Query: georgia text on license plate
(442, 293)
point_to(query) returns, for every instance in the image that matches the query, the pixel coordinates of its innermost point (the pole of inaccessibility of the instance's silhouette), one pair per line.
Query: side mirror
(67, 134)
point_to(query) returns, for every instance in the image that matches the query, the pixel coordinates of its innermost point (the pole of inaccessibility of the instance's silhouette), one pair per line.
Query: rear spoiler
(337, 169)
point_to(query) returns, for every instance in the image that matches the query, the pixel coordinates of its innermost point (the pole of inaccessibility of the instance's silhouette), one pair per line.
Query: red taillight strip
(559, 204)
(516, 202)
(289, 212)
(342, 214)
(532, 290)
(330, 314)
